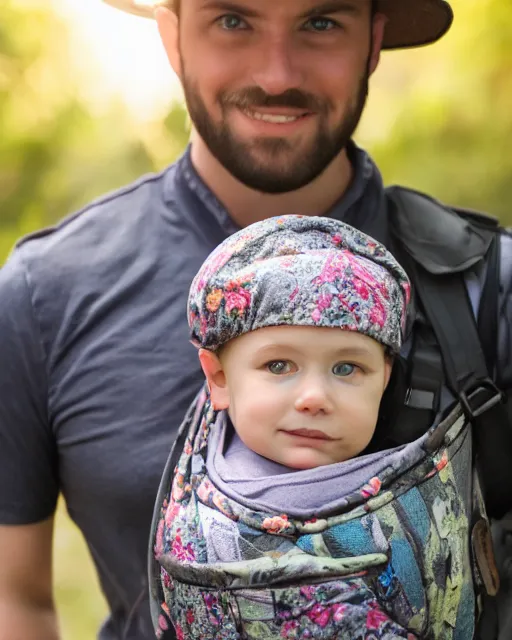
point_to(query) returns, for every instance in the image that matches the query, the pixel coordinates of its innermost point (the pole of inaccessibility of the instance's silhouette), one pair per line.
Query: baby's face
(301, 396)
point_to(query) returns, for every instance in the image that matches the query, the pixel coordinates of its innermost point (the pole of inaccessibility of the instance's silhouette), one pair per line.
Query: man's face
(275, 88)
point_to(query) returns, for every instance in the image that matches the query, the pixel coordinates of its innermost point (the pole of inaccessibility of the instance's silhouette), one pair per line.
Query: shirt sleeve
(28, 457)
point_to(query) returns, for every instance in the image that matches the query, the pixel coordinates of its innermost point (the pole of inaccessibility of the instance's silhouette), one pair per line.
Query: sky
(122, 55)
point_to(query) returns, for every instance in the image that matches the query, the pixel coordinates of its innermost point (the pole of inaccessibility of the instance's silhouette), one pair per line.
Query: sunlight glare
(120, 55)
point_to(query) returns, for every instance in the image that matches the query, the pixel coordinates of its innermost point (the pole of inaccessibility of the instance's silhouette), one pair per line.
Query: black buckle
(468, 396)
(419, 399)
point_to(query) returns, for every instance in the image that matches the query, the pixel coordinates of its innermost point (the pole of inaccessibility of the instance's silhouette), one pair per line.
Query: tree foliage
(55, 155)
(440, 119)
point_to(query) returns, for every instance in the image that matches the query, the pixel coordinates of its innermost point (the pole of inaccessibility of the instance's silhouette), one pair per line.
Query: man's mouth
(314, 434)
(274, 118)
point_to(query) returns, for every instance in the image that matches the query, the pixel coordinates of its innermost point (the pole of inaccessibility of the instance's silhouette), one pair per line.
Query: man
(96, 367)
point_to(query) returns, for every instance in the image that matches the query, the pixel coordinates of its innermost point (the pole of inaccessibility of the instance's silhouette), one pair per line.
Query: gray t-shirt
(96, 370)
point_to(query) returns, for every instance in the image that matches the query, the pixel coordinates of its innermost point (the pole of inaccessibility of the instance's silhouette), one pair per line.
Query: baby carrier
(409, 554)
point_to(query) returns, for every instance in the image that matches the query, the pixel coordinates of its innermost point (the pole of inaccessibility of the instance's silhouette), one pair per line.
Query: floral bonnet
(298, 270)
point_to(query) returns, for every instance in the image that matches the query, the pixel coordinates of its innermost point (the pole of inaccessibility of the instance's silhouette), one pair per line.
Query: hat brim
(411, 23)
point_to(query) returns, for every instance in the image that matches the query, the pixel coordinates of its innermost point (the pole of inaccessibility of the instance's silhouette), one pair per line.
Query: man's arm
(28, 464)
(26, 601)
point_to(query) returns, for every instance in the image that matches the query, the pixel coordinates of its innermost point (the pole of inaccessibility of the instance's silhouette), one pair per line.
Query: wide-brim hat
(411, 23)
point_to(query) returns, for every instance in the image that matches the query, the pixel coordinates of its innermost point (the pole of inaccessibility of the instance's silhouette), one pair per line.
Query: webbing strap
(488, 311)
(447, 306)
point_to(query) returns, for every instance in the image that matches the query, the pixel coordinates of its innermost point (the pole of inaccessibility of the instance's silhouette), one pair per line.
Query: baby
(297, 320)
(266, 310)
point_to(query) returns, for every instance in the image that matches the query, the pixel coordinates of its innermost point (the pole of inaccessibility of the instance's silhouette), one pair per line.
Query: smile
(313, 434)
(273, 118)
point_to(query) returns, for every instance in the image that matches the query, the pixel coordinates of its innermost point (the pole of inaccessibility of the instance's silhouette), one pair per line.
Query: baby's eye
(343, 369)
(278, 367)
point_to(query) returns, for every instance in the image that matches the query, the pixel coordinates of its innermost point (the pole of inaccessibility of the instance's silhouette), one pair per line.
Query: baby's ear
(215, 378)
(389, 360)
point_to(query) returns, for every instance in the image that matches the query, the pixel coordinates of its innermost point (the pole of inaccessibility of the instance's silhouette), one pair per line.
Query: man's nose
(277, 66)
(314, 398)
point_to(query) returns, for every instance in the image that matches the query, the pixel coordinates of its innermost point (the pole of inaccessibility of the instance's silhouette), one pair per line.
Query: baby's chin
(301, 459)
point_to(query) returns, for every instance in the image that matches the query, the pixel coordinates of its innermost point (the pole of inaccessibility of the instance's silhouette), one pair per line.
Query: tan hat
(411, 23)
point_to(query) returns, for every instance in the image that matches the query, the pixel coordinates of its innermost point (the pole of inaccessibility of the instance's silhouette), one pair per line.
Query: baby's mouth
(314, 434)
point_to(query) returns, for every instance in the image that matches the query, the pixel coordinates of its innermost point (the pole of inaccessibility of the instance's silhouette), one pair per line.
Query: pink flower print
(205, 490)
(372, 488)
(184, 552)
(316, 315)
(361, 288)
(277, 524)
(308, 592)
(190, 616)
(238, 300)
(162, 623)
(212, 605)
(338, 611)
(179, 632)
(166, 579)
(320, 615)
(324, 301)
(159, 540)
(337, 239)
(375, 619)
(289, 629)
(378, 314)
(172, 512)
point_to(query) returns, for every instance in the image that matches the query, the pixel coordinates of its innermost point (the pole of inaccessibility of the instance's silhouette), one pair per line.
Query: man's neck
(246, 206)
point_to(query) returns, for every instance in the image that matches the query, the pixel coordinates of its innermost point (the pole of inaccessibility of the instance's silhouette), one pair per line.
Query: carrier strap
(488, 311)
(447, 306)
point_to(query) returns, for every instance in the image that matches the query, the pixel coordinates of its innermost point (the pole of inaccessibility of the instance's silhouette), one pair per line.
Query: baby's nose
(313, 400)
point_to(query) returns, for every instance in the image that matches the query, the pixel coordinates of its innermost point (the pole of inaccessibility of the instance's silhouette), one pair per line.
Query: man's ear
(378, 29)
(215, 378)
(168, 27)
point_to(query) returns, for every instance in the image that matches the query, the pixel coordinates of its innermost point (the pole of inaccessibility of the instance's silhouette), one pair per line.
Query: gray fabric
(261, 484)
(96, 368)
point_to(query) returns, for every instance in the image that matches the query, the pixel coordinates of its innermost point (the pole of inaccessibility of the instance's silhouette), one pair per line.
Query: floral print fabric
(298, 270)
(393, 563)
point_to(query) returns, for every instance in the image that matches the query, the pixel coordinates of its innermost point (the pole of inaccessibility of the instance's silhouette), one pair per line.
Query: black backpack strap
(447, 306)
(488, 310)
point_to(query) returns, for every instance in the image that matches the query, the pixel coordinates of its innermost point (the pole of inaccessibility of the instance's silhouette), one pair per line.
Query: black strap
(488, 310)
(447, 306)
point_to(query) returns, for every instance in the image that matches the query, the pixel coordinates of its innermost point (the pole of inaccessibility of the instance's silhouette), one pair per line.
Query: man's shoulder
(441, 238)
(88, 252)
(118, 214)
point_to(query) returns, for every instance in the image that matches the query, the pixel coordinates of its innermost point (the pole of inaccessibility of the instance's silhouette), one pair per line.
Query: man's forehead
(281, 7)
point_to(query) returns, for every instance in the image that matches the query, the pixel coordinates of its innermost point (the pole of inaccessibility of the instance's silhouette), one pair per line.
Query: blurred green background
(439, 119)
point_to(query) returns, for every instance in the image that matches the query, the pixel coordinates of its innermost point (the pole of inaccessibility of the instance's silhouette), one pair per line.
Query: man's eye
(231, 22)
(343, 369)
(278, 367)
(320, 24)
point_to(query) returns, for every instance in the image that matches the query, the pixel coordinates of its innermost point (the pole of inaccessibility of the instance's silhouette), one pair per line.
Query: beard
(286, 166)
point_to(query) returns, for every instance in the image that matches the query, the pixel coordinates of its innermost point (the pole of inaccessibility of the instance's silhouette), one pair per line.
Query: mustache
(256, 97)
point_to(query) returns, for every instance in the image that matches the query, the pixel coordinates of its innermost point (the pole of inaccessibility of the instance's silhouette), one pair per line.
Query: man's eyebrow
(229, 7)
(333, 6)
